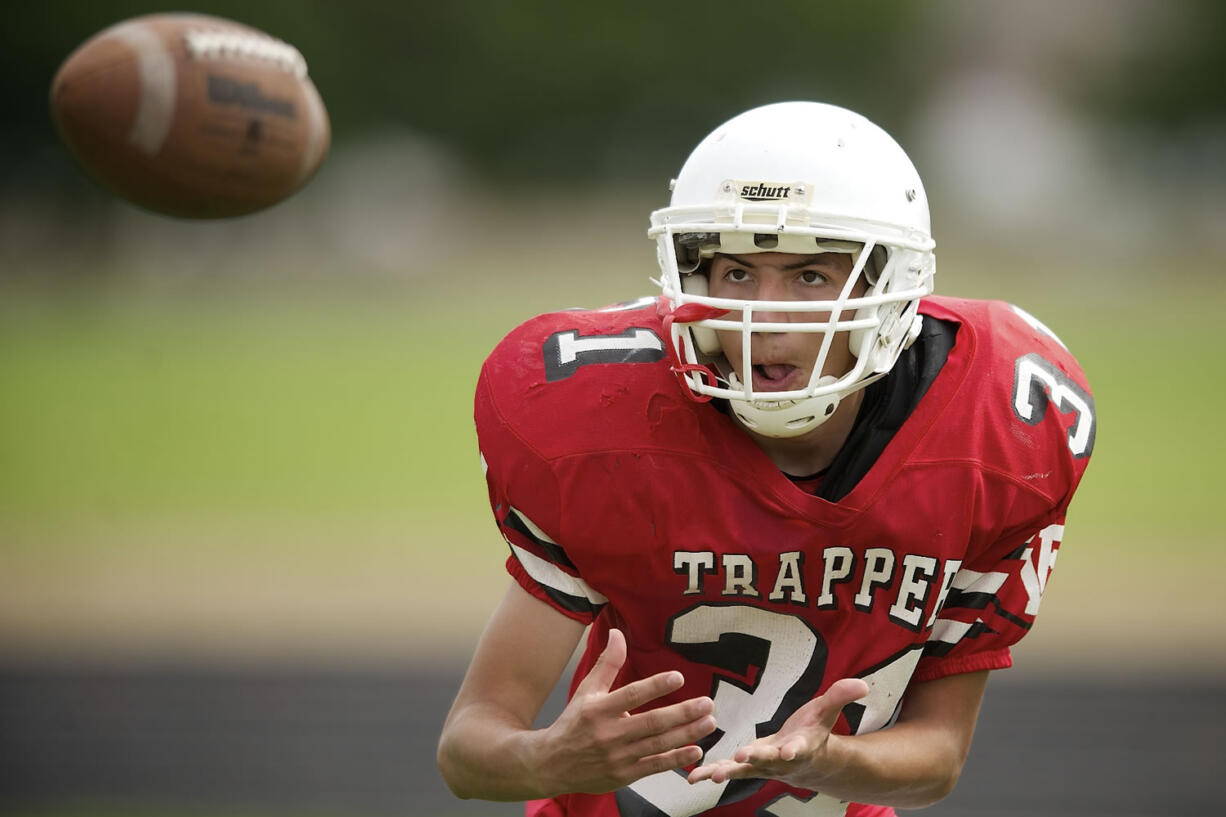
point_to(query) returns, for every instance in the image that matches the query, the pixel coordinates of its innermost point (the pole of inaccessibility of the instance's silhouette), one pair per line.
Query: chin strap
(687, 313)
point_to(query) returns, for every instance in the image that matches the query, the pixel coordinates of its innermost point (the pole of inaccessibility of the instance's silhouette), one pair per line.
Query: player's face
(783, 361)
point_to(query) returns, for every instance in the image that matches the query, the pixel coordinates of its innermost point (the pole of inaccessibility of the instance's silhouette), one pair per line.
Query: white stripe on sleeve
(554, 577)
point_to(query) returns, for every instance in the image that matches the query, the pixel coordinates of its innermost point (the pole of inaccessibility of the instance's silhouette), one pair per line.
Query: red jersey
(626, 504)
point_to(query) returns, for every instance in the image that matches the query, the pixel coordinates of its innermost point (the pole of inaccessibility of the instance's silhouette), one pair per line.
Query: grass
(256, 404)
(134, 407)
(1158, 387)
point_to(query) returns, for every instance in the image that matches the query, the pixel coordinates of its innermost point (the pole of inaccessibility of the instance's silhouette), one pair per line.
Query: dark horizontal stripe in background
(351, 741)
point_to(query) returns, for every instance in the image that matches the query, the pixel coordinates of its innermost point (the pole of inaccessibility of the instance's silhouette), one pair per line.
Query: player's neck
(813, 452)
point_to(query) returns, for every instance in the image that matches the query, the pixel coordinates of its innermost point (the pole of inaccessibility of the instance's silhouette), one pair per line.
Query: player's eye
(812, 276)
(736, 275)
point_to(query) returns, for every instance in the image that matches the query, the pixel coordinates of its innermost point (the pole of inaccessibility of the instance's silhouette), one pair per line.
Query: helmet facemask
(878, 324)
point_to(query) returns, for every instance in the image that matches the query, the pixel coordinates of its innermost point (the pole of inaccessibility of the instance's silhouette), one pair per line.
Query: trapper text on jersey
(878, 576)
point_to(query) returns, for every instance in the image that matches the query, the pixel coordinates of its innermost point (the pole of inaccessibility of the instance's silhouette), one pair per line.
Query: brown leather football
(191, 115)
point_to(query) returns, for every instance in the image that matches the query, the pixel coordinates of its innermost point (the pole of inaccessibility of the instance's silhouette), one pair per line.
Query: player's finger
(667, 761)
(602, 674)
(637, 693)
(664, 718)
(757, 753)
(699, 774)
(719, 771)
(683, 734)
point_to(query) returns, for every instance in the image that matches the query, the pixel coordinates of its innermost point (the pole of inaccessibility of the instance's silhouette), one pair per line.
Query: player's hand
(596, 746)
(798, 753)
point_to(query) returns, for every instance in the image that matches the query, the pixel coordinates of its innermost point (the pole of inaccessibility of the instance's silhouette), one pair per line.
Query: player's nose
(771, 287)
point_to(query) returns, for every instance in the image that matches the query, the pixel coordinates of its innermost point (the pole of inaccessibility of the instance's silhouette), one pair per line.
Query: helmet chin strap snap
(784, 418)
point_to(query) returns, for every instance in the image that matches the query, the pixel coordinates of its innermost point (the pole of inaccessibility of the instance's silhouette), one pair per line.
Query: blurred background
(245, 549)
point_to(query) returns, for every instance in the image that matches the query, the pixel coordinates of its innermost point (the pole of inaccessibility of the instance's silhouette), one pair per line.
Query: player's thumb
(840, 694)
(608, 664)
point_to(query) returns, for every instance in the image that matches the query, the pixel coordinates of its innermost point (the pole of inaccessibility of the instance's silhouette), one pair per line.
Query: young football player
(803, 507)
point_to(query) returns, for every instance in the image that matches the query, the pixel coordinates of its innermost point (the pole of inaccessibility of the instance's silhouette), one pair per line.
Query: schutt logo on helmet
(764, 191)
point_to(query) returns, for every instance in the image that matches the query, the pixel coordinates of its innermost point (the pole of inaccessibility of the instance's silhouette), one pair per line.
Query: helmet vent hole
(765, 241)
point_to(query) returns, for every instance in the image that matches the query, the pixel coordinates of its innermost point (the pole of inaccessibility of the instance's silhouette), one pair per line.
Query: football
(191, 115)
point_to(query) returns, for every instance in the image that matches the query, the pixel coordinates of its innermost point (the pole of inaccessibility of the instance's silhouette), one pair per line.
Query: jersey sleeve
(525, 499)
(1033, 435)
(992, 603)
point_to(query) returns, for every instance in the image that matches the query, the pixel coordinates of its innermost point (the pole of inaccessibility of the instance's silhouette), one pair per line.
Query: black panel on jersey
(514, 521)
(887, 404)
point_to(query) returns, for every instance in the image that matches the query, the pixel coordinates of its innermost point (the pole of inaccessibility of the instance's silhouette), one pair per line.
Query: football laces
(211, 45)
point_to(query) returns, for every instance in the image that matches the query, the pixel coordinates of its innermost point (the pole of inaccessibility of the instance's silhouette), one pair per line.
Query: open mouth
(776, 377)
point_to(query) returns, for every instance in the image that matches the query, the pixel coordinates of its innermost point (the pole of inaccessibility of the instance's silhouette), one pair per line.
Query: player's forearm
(907, 766)
(485, 755)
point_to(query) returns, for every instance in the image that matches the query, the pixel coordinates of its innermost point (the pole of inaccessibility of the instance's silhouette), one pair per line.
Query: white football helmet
(794, 177)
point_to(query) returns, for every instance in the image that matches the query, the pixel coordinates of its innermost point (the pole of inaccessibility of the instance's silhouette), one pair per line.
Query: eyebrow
(804, 262)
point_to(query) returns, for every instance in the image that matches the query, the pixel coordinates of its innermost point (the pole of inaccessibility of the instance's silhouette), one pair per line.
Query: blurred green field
(235, 404)
(238, 401)
(188, 458)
